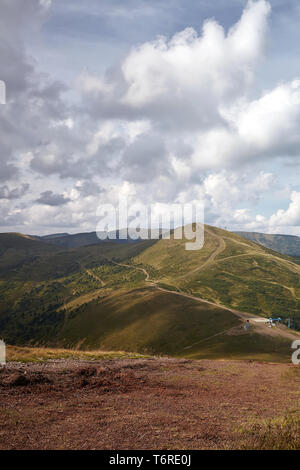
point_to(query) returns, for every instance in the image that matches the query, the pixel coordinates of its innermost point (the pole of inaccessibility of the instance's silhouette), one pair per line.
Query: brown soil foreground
(157, 403)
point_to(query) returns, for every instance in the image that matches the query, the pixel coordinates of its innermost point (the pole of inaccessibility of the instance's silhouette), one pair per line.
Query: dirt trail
(90, 273)
(261, 328)
(290, 289)
(209, 337)
(87, 297)
(210, 260)
(279, 331)
(95, 277)
(134, 267)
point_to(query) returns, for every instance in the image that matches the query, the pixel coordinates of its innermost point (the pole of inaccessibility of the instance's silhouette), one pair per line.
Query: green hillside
(146, 296)
(149, 321)
(229, 271)
(17, 250)
(38, 280)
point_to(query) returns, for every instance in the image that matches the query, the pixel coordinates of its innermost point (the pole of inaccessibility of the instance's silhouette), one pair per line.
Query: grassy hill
(150, 321)
(17, 249)
(135, 297)
(284, 244)
(229, 271)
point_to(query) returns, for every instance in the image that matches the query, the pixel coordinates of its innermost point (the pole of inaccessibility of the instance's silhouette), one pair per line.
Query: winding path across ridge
(254, 320)
(143, 270)
(210, 260)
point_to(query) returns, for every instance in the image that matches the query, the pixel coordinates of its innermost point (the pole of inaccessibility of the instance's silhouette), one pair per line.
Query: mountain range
(149, 296)
(285, 244)
(77, 240)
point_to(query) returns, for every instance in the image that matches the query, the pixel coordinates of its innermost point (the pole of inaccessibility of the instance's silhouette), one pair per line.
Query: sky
(161, 101)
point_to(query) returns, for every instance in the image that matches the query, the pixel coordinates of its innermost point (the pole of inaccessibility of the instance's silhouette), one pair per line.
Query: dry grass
(155, 403)
(281, 433)
(292, 372)
(26, 354)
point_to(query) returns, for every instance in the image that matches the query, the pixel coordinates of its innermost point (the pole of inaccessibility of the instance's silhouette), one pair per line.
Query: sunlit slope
(151, 321)
(229, 270)
(117, 297)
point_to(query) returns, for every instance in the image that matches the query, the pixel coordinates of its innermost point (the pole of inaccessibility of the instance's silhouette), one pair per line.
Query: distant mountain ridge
(284, 244)
(67, 240)
(76, 240)
(55, 235)
(79, 240)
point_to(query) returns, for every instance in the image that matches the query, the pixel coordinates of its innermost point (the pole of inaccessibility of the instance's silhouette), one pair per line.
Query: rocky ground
(155, 403)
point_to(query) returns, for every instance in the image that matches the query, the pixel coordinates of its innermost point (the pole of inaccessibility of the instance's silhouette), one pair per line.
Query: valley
(151, 297)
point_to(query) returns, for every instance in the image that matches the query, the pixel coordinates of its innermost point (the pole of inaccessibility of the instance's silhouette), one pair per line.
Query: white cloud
(195, 89)
(289, 217)
(178, 119)
(190, 66)
(282, 221)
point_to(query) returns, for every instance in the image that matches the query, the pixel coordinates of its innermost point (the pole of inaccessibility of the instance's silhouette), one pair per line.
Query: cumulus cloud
(197, 90)
(188, 66)
(180, 118)
(231, 196)
(282, 221)
(183, 81)
(289, 217)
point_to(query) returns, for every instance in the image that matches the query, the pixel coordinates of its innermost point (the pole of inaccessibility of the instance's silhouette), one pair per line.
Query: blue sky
(98, 106)
(78, 35)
